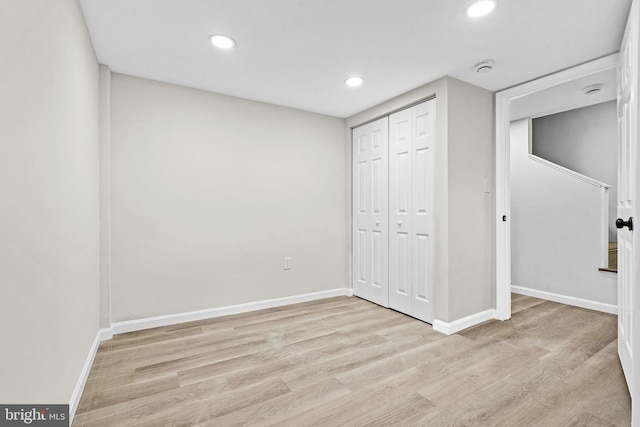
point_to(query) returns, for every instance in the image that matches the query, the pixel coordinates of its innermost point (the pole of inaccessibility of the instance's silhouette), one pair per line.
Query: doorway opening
(543, 97)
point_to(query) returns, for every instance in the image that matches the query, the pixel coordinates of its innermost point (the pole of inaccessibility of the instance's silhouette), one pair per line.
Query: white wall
(583, 140)
(48, 199)
(471, 202)
(210, 192)
(555, 229)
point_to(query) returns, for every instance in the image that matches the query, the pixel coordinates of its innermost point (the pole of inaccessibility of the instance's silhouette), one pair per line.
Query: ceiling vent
(484, 66)
(593, 89)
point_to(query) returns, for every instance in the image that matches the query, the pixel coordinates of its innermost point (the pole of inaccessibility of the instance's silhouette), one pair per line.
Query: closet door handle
(399, 223)
(377, 223)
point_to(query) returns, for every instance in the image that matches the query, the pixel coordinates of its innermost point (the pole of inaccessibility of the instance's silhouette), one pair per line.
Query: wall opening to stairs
(552, 94)
(559, 226)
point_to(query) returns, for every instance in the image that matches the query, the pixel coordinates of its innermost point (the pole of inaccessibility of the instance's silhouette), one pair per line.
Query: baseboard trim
(102, 335)
(172, 319)
(578, 302)
(450, 328)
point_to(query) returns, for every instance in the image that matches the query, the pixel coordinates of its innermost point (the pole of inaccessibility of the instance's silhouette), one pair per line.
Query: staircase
(559, 228)
(613, 258)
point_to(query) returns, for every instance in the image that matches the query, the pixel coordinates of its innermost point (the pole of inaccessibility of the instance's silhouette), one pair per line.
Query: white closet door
(422, 221)
(411, 243)
(400, 211)
(370, 212)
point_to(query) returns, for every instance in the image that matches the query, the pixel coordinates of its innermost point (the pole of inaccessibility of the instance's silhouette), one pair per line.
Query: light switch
(487, 186)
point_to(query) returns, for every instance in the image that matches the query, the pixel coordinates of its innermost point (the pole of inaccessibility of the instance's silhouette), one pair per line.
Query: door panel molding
(370, 254)
(396, 225)
(628, 207)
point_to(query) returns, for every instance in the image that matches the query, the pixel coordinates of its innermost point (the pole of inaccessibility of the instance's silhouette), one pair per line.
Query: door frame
(503, 179)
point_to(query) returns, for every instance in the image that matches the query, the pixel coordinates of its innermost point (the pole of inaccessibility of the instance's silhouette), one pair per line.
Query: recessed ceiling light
(354, 81)
(481, 8)
(221, 41)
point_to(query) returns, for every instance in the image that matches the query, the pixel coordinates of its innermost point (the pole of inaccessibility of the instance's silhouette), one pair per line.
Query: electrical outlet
(287, 263)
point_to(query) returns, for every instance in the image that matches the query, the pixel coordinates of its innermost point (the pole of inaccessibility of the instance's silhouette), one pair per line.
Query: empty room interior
(321, 213)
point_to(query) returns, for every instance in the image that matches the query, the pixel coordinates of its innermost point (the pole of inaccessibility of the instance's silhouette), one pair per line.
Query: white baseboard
(464, 323)
(172, 319)
(578, 302)
(103, 334)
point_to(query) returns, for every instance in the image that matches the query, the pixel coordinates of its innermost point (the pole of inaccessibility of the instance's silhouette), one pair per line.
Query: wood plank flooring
(347, 362)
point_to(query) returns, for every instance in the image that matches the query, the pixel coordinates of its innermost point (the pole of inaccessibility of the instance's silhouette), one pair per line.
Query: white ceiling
(297, 53)
(567, 96)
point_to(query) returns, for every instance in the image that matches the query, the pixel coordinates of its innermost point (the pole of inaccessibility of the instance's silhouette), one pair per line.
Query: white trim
(102, 335)
(105, 193)
(503, 204)
(569, 172)
(503, 208)
(172, 319)
(604, 229)
(577, 302)
(464, 323)
(105, 334)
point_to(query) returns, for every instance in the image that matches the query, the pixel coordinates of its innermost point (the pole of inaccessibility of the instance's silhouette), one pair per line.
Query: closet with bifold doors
(393, 223)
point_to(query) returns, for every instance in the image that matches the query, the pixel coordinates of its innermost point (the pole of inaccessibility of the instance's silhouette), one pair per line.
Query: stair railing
(604, 204)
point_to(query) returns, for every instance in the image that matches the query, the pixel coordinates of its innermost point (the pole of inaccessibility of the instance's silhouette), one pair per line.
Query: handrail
(570, 172)
(604, 204)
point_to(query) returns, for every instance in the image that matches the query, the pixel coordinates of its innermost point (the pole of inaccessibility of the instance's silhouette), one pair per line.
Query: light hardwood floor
(347, 362)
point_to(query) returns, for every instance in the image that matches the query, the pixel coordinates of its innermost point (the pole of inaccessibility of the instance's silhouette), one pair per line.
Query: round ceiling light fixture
(222, 41)
(354, 81)
(481, 8)
(484, 66)
(593, 89)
